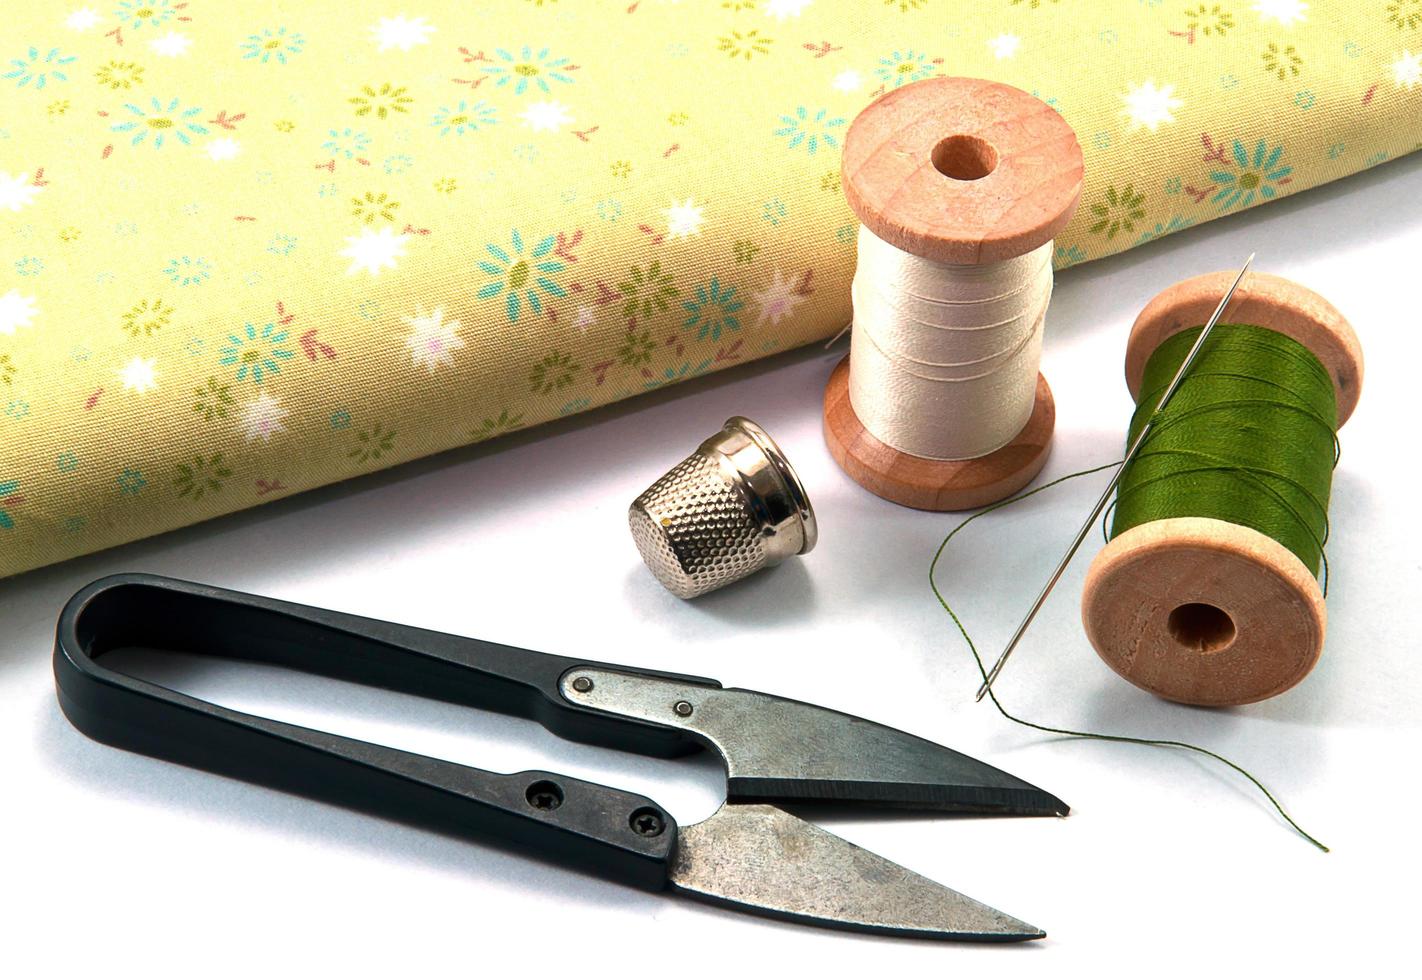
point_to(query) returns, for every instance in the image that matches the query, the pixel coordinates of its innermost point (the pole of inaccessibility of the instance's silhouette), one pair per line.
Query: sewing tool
(731, 508)
(1105, 498)
(960, 185)
(1208, 591)
(749, 855)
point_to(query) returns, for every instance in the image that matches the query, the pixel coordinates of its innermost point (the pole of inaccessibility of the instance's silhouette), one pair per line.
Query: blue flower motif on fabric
(529, 70)
(347, 142)
(272, 45)
(38, 71)
(1257, 176)
(520, 277)
(903, 67)
(672, 375)
(161, 121)
(131, 481)
(187, 271)
(810, 130)
(256, 352)
(145, 13)
(9, 490)
(713, 311)
(66, 462)
(463, 118)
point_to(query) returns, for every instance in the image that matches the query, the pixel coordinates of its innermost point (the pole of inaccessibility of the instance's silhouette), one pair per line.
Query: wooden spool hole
(964, 157)
(1199, 610)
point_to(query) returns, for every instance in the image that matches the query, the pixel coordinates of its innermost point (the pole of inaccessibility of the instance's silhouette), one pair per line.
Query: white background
(117, 865)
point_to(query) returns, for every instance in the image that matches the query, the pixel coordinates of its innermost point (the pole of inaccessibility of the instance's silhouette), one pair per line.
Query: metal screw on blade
(1111, 487)
(582, 684)
(647, 822)
(682, 708)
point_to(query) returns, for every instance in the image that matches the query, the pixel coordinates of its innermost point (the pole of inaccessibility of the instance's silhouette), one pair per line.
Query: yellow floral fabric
(250, 249)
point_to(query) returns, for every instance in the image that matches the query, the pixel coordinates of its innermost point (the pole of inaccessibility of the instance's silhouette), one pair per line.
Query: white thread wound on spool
(943, 358)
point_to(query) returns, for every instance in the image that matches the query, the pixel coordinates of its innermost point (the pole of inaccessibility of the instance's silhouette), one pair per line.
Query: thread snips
(750, 855)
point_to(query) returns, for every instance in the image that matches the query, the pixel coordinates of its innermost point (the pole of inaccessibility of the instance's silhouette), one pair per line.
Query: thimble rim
(810, 531)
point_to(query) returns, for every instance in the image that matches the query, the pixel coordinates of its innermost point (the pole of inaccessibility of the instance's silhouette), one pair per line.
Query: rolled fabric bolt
(731, 508)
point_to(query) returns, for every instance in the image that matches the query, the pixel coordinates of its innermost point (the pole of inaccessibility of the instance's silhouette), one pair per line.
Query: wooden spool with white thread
(962, 171)
(1200, 610)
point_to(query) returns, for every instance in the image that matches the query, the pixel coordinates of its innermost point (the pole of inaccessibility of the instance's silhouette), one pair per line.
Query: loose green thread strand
(1126, 739)
(1250, 437)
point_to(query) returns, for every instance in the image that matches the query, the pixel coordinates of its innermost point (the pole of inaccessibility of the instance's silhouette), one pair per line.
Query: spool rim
(1263, 300)
(1112, 606)
(933, 484)
(900, 180)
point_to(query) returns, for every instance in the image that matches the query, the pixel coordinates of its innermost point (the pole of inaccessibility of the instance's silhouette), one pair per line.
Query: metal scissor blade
(760, 859)
(784, 751)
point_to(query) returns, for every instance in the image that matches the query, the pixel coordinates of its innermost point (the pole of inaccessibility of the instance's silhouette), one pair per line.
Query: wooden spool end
(962, 171)
(935, 484)
(1199, 610)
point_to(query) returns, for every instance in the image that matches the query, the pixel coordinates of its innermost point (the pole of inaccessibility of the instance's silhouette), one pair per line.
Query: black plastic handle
(610, 832)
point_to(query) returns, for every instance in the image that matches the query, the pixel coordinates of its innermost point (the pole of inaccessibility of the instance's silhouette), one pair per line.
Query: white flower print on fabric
(1286, 12)
(1004, 45)
(848, 80)
(784, 9)
(433, 339)
(81, 19)
(1407, 70)
(223, 149)
(140, 375)
(16, 192)
(401, 32)
(371, 251)
(1149, 107)
(683, 220)
(262, 418)
(16, 311)
(777, 300)
(546, 117)
(171, 45)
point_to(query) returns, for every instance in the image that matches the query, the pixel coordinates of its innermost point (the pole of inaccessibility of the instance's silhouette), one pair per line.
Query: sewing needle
(1111, 487)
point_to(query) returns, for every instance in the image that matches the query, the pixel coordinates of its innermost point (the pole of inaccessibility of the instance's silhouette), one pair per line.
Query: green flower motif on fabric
(382, 101)
(9, 497)
(1257, 176)
(120, 74)
(39, 71)
(529, 69)
(905, 6)
(490, 427)
(161, 121)
(272, 45)
(213, 401)
(136, 14)
(553, 372)
(745, 252)
(256, 353)
(1209, 19)
(7, 370)
(147, 317)
(1118, 212)
(372, 443)
(372, 206)
(201, 477)
(744, 46)
(648, 293)
(1031, 4)
(903, 67)
(1282, 62)
(713, 311)
(636, 348)
(520, 277)
(464, 117)
(1406, 14)
(810, 130)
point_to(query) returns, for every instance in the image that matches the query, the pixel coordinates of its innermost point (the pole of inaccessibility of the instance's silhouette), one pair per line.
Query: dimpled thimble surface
(732, 507)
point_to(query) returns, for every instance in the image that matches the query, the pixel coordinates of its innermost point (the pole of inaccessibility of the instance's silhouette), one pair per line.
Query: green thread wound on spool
(1250, 437)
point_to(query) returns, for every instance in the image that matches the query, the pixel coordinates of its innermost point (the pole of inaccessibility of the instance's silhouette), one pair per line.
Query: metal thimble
(731, 508)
